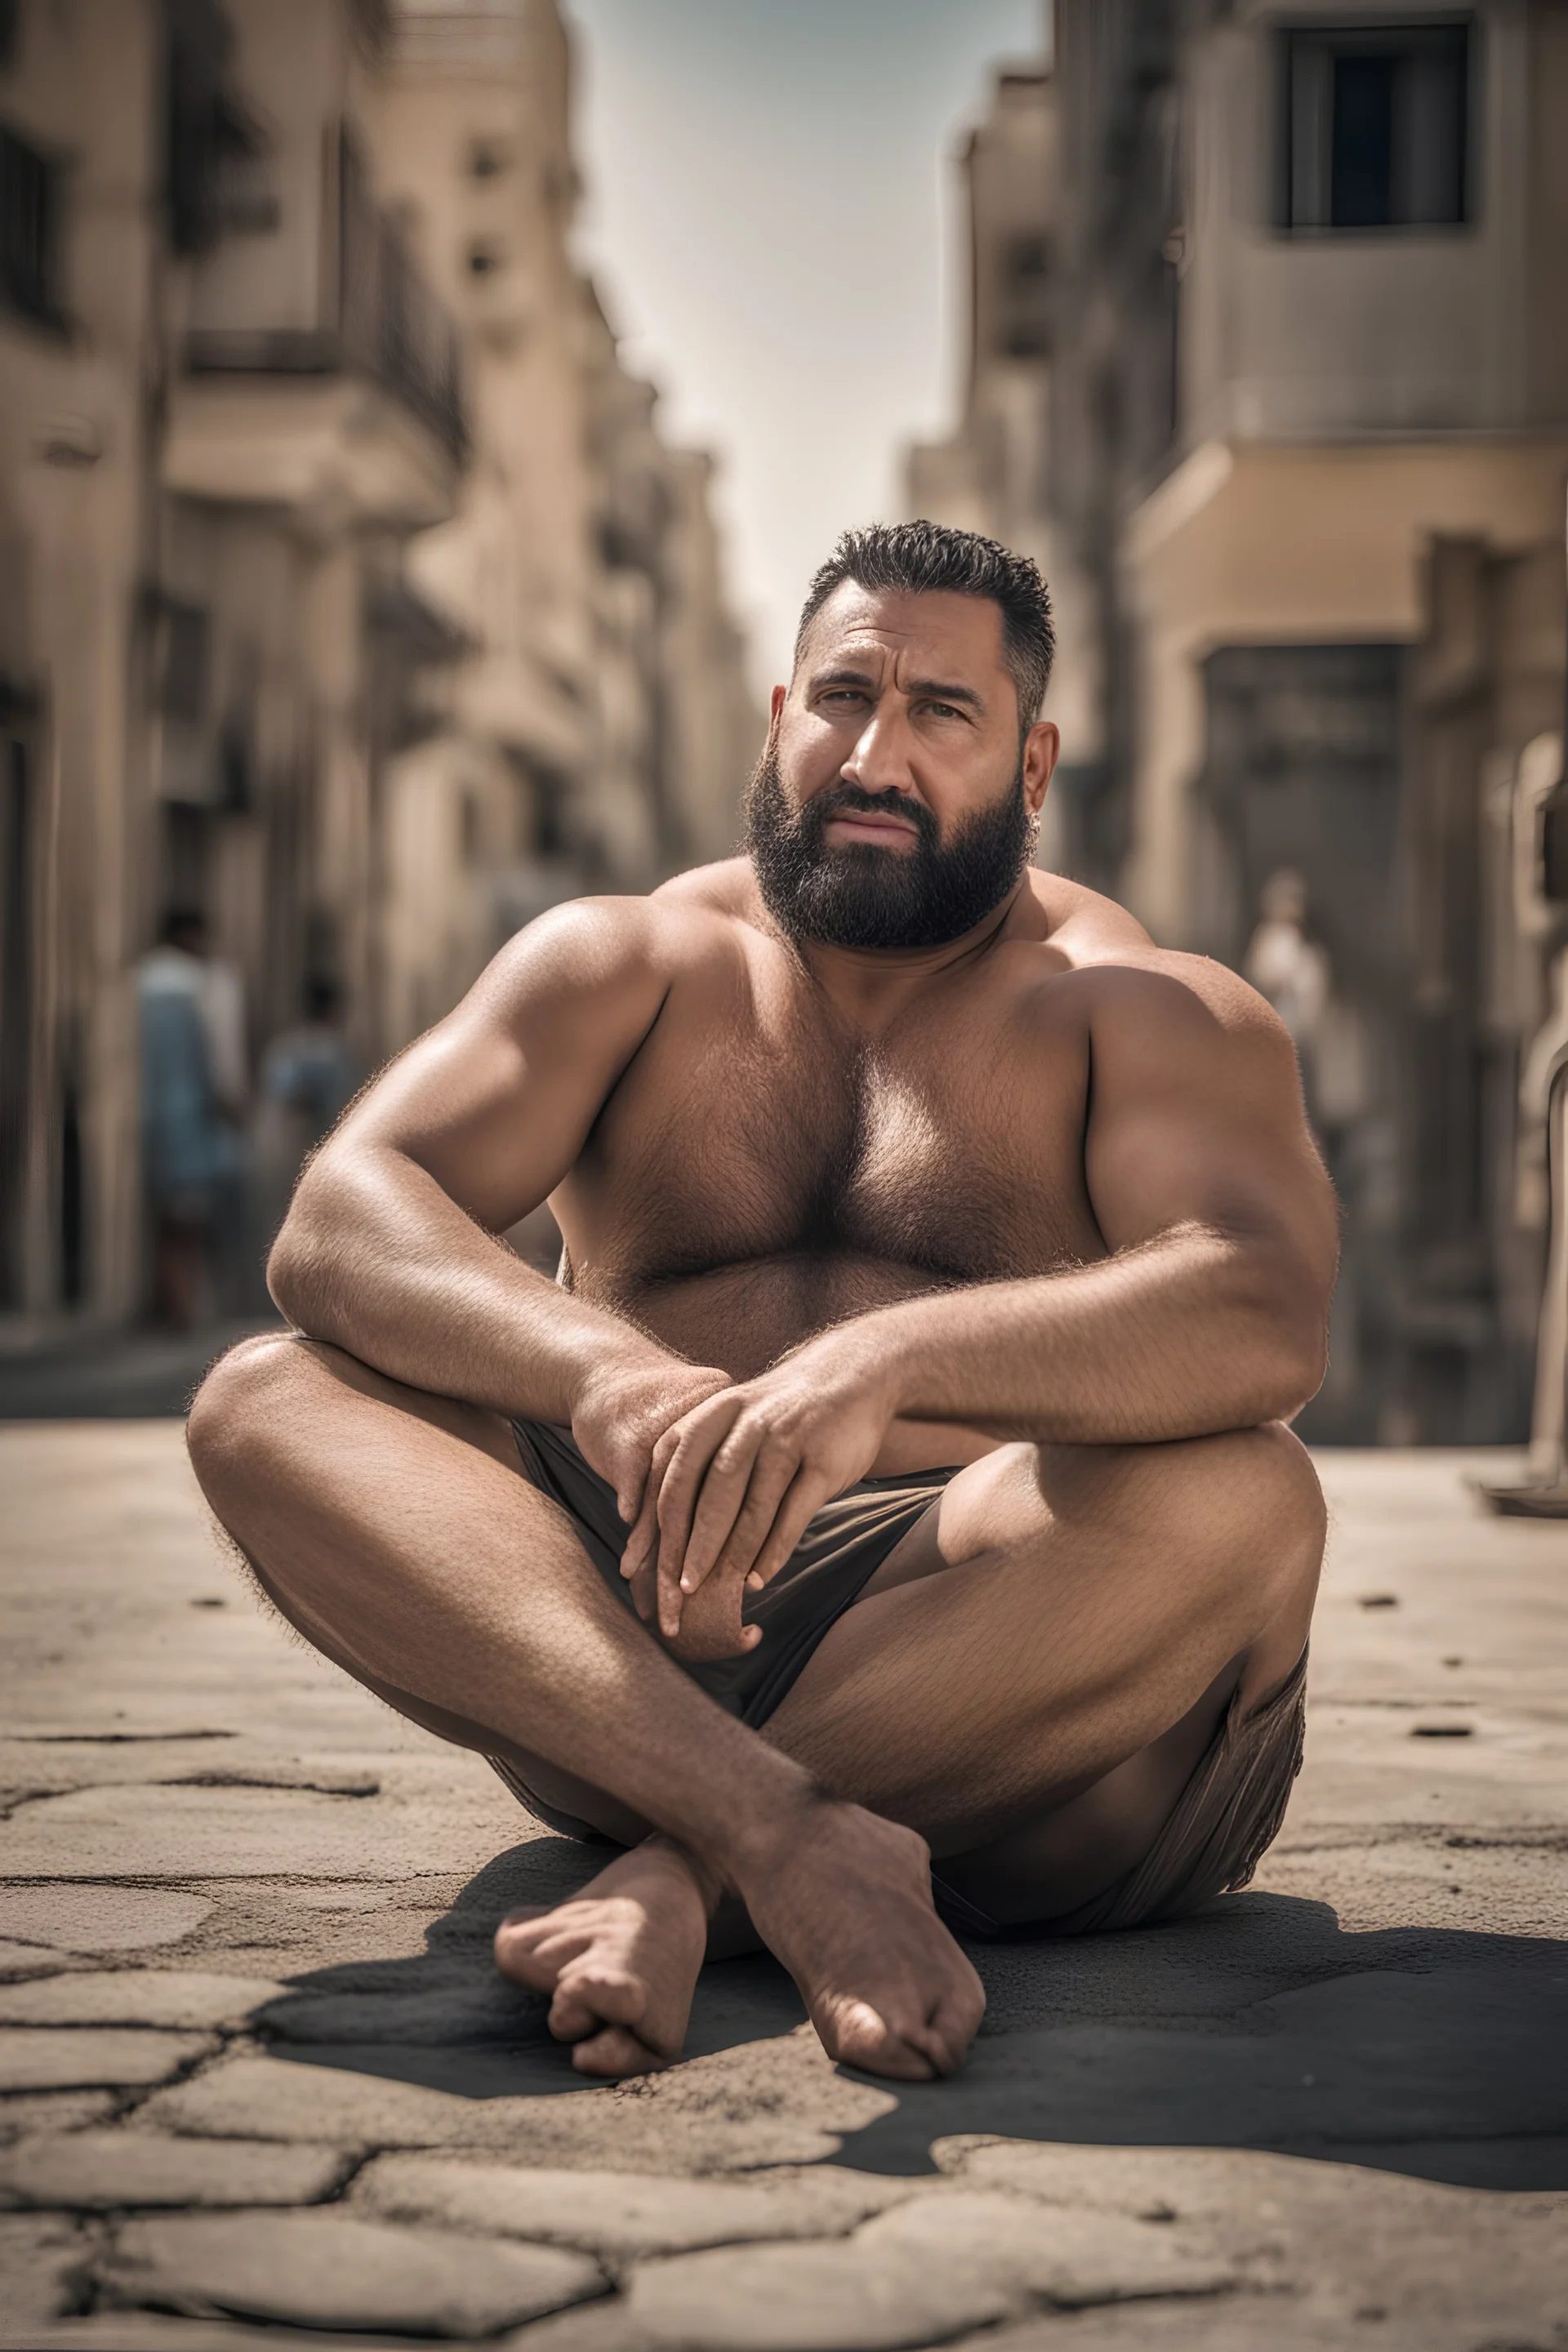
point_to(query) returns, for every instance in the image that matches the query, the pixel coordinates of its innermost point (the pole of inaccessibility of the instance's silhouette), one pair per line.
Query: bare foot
(621, 1960)
(845, 1905)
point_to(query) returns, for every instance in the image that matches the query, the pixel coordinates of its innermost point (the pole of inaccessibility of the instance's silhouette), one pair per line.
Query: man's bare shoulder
(1121, 977)
(586, 946)
(1081, 926)
(726, 890)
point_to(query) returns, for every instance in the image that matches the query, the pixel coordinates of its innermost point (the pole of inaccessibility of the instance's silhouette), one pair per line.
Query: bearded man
(886, 1524)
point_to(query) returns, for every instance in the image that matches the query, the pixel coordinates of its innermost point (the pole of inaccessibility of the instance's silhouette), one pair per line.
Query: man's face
(893, 806)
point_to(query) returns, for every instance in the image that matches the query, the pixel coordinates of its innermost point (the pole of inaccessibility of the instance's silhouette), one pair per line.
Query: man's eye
(842, 694)
(945, 709)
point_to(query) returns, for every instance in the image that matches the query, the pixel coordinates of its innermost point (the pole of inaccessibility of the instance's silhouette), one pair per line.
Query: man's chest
(952, 1145)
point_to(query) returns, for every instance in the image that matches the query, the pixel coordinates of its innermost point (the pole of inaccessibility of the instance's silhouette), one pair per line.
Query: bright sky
(771, 214)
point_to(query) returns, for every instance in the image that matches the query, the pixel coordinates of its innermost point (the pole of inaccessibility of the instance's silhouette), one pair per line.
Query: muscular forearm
(378, 1258)
(1197, 1332)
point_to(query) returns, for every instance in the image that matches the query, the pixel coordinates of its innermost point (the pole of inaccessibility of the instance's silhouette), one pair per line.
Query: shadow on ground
(1258, 2024)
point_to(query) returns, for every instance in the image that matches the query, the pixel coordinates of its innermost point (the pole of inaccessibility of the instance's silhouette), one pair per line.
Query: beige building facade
(595, 731)
(314, 446)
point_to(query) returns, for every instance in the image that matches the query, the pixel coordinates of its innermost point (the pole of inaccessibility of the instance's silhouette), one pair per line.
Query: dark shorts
(844, 1546)
(1225, 1818)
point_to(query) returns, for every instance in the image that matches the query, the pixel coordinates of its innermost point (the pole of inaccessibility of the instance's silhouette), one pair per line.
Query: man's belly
(743, 1317)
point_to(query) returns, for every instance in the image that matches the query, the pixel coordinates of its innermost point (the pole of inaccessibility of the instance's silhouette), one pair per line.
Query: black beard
(860, 897)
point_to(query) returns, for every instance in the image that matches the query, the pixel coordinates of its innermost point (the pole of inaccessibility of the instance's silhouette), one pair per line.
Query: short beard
(862, 897)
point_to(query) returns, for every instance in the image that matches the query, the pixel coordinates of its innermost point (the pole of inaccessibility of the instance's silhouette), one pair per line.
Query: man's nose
(880, 760)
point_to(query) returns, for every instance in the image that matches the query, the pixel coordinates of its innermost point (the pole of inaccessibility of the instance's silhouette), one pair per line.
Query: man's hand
(733, 1482)
(618, 1419)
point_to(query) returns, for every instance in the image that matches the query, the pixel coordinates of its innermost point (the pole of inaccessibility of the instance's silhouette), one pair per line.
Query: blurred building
(595, 729)
(1304, 383)
(990, 475)
(318, 609)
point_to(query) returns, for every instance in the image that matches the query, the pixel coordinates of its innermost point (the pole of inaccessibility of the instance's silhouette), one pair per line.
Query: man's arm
(390, 1246)
(1210, 1312)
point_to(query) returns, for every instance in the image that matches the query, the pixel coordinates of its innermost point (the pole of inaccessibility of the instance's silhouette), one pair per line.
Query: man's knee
(239, 1402)
(1248, 1498)
(1248, 1503)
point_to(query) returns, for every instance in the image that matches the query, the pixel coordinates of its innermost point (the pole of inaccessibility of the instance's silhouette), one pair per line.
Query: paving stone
(1242, 2323)
(37, 2058)
(818, 2297)
(29, 2113)
(621, 2216)
(18, 1961)
(921, 2271)
(149, 2331)
(86, 2170)
(227, 1832)
(604, 2326)
(1353, 2236)
(1070, 2259)
(266, 2099)
(323, 2270)
(766, 2103)
(103, 1919)
(137, 1996)
(44, 2267)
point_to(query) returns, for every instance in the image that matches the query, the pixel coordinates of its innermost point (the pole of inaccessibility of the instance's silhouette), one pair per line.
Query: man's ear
(776, 702)
(1041, 746)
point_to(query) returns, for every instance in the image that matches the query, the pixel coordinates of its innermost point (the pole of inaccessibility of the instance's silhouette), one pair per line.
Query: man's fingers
(644, 1538)
(805, 1494)
(696, 1439)
(747, 1480)
(775, 1475)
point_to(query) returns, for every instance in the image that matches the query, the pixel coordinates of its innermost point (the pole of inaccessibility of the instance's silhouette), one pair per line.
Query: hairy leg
(1033, 1675)
(392, 1529)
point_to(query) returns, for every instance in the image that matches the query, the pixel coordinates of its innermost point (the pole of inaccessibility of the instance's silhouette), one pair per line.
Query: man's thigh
(1074, 1622)
(1221, 1535)
(319, 1386)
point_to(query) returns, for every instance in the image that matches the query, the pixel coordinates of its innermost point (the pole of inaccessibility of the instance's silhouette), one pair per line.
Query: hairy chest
(953, 1147)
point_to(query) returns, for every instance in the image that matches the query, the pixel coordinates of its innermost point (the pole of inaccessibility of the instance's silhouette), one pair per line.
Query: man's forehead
(885, 625)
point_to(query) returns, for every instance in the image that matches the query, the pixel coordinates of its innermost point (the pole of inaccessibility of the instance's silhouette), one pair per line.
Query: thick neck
(870, 985)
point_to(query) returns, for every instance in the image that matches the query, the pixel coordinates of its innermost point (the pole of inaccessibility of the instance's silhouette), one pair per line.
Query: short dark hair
(919, 559)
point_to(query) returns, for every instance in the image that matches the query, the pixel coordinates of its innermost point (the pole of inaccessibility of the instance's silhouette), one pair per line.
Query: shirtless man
(942, 1263)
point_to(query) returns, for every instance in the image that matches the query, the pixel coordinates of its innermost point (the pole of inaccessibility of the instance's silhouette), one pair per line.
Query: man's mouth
(885, 830)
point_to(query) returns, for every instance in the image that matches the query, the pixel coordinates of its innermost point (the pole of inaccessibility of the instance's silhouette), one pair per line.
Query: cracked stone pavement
(260, 2082)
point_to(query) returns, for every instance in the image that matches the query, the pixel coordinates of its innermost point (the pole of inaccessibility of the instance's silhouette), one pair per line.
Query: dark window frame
(1338, 40)
(32, 232)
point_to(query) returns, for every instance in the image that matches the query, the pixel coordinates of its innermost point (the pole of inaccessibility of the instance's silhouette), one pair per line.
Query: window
(1376, 121)
(1024, 321)
(183, 662)
(30, 231)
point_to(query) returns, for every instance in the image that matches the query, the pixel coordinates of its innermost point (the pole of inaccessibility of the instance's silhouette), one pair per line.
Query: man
(191, 1020)
(941, 1263)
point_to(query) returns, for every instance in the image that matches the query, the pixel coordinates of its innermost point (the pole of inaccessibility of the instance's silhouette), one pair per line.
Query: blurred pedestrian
(192, 1157)
(309, 1075)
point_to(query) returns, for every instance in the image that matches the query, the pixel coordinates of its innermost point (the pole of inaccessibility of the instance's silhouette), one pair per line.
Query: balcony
(321, 374)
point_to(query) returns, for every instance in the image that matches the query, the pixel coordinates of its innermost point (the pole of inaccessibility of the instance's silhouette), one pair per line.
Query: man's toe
(587, 1997)
(614, 2052)
(516, 1951)
(855, 2035)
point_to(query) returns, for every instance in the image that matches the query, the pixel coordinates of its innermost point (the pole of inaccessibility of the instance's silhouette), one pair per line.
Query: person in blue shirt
(191, 1153)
